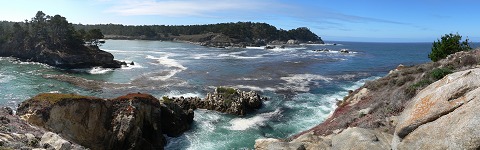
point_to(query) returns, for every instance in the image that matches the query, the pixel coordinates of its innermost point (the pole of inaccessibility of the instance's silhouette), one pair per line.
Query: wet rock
(227, 100)
(344, 51)
(7, 110)
(269, 47)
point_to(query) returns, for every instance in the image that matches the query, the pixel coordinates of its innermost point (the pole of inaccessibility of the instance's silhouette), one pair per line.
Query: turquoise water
(302, 85)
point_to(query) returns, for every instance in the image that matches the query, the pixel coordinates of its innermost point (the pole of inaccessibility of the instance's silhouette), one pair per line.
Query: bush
(449, 44)
(166, 100)
(412, 89)
(439, 73)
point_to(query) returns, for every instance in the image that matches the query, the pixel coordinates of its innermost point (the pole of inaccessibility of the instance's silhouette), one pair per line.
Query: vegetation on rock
(54, 32)
(56, 97)
(54, 41)
(448, 44)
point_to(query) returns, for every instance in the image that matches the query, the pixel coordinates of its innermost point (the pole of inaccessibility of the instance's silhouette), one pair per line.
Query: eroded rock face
(16, 133)
(227, 100)
(443, 116)
(133, 121)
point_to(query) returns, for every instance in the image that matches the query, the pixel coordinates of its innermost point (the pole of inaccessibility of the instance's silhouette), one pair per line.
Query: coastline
(382, 109)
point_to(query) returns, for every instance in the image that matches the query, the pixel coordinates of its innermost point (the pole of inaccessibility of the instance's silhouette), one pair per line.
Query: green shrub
(226, 91)
(412, 89)
(404, 79)
(439, 73)
(448, 44)
(166, 100)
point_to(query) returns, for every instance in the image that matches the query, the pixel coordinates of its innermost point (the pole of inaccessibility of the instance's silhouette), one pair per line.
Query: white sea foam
(254, 88)
(254, 47)
(258, 120)
(176, 93)
(6, 78)
(170, 74)
(237, 55)
(167, 62)
(99, 70)
(207, 119)
(201, 56)
(171, 63)
(287, 49)
(301, 82)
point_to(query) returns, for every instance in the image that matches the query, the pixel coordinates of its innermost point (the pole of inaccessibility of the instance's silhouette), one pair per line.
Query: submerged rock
(133, 121)
(227, 100)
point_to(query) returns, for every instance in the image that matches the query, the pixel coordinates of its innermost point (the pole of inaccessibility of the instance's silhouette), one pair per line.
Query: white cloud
(183, 8)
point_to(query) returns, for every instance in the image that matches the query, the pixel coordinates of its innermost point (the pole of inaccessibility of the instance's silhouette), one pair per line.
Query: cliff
(403, 110)
(133, 121)
(53, 40)
(81, 57)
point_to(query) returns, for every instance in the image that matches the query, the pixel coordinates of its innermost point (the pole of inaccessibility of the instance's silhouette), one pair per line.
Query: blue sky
(337, 20)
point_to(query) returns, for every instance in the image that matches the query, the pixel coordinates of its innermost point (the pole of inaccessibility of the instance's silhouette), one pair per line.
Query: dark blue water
(302, 85)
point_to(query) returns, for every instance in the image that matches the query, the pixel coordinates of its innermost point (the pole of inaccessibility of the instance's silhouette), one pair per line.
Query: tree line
(53, 32)
(243, 31)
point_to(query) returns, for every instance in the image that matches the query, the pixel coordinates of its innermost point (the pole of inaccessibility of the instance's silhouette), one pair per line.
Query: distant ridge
(226, 34)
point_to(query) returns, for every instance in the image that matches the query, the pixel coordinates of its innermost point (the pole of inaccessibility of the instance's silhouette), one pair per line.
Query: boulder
(274, 144)
(292, 42)
(133, 121)
(227, 100)
(444, 115)
(348, 139)
(52, 140)
(361, 139)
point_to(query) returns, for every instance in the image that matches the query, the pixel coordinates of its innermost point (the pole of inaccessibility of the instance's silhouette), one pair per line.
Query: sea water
(302, 85)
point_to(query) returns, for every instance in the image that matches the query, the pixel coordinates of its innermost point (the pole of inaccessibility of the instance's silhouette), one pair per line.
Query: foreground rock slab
(133, 121)
(443, 116)
(351, 138)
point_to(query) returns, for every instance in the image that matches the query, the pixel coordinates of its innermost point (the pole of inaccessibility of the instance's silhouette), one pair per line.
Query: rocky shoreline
(132, 121)
(218, 40)
(411, 108)
(82, 57)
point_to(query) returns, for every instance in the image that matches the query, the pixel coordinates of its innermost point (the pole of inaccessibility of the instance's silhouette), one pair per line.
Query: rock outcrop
(16, 133)
(227, 100)
(82, 57)
(443, 116)
(349, 139)
(133, 121)
(405, 104)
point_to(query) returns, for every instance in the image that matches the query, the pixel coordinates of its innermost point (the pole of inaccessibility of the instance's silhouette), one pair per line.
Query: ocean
(302, 85)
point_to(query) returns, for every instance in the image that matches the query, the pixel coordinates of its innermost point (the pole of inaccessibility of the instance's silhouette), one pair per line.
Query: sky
(333, 20)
